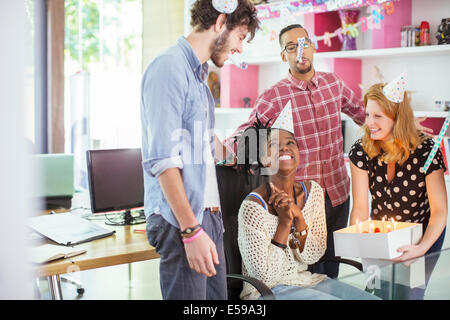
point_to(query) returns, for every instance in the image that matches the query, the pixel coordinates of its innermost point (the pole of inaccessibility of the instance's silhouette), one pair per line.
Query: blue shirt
(175, 130)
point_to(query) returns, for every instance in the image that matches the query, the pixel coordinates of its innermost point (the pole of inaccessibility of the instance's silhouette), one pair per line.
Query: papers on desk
(67, 228)
(50, 252)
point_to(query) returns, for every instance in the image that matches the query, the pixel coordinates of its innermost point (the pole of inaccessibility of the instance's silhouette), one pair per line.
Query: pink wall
(388, 36)
(236, 84)
(350, 71)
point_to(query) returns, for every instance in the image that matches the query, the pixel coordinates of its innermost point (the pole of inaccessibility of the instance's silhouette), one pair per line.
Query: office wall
(15, 30)
(163, 24)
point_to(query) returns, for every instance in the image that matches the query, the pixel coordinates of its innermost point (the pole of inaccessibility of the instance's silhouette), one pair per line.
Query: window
(103, 69)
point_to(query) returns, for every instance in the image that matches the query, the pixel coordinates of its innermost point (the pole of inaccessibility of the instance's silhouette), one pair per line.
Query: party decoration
(395, 90)
(237, 61)
(326, 39)
(273, 35)
(388, 7)
(338, 32)
(301, 43)
(349, 19)
(363, 22)
(347, 33)
(225, 6)
(284, 120)
(316, 43)
(377, 17)
(299, 7)
(437, 143)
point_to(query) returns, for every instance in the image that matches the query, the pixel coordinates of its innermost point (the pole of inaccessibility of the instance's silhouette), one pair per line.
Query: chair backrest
(233, 188)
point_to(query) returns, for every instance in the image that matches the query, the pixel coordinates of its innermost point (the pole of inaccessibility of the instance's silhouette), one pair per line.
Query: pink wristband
(195, 236)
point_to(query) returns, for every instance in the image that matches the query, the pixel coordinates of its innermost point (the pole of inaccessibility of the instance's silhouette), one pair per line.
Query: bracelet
(188, 231)
(195, 236)
(279, 245)
(301, 233)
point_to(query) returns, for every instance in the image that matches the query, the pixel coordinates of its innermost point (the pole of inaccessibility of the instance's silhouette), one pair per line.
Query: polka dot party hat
(395, 90)
(284, 120)
(225, 6)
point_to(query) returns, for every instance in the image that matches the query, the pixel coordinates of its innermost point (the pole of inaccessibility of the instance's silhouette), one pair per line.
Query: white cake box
(349, 242)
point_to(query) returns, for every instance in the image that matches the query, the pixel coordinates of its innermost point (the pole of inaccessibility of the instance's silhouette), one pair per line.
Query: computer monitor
(116, 183)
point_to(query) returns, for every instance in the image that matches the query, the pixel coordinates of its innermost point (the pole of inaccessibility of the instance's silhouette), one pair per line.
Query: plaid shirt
(316, 111)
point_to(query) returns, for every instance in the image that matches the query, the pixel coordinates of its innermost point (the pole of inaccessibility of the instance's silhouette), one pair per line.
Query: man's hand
(425, 130)
(202, 255)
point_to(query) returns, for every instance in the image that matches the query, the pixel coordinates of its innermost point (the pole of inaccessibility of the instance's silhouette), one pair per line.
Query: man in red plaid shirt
(317, 99)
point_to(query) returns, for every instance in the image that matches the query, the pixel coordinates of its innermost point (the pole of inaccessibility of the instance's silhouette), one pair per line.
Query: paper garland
(365, 23)
(437, 143)
(274, 10)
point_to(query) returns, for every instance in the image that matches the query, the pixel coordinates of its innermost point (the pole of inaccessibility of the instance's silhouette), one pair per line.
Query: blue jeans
(328, 289)
(177, 280)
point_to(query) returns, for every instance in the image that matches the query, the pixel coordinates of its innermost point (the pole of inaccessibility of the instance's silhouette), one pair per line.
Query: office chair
(233, 188)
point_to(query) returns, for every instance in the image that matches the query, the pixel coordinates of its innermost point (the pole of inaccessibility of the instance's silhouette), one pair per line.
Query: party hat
(395, 90)
(284, 120)
(225, 6)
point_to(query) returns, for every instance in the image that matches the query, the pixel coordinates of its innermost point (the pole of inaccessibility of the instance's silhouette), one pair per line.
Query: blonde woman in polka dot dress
(388, 160)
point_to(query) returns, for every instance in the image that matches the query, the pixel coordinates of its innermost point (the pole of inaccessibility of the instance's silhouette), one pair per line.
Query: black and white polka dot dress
(405, 197)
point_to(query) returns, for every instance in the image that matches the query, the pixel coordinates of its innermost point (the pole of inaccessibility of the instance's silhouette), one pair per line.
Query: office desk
(124, 246)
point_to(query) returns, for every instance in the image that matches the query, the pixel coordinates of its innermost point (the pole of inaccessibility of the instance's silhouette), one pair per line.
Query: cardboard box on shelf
(352, 242)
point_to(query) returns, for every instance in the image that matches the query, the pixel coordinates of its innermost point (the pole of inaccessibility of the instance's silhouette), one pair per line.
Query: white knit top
(271, 264)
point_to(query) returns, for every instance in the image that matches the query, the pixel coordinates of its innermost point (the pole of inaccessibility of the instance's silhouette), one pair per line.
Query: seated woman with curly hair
(282, 227)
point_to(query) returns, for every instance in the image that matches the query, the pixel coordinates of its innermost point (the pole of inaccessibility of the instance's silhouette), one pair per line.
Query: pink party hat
(284, 120)
(395, 90)
(225, 6)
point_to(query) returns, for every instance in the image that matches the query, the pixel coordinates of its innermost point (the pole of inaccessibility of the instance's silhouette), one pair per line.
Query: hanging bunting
(270, 11)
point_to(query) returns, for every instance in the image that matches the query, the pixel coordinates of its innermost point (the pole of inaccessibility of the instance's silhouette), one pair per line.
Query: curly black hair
(251, 145)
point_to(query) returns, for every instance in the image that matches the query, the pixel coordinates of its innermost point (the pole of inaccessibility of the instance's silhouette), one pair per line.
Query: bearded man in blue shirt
(182, 204)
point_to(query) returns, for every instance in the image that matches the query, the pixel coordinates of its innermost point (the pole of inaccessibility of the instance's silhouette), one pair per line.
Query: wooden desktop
(125, 246)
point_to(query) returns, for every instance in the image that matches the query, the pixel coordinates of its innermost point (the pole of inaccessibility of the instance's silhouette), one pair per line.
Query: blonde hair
(405, 136)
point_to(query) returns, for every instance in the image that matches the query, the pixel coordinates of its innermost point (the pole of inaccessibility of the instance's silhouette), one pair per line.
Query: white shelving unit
(429, 51)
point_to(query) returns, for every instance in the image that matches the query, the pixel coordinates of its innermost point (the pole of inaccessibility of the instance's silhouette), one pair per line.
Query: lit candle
(383, 225)
(389, 228)
(369, 224)
(358, 226)
(371, 228)
(394, 224)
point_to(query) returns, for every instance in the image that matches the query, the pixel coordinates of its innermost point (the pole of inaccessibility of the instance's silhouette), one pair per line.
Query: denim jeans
(177, 280)
(328, 289)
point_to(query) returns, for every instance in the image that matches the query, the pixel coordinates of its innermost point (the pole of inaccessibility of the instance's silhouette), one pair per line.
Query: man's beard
(303, 71)
(219, 47)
